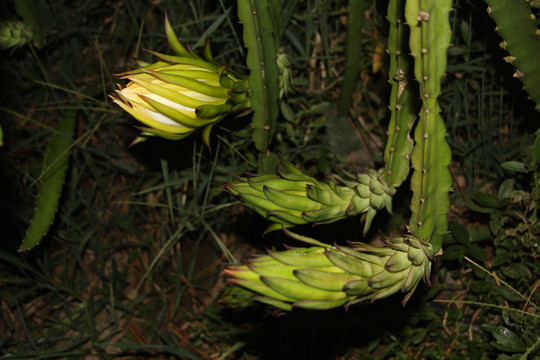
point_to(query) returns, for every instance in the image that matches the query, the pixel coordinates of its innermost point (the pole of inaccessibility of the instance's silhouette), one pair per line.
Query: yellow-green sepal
(310, 257)
(192, 84)
(285, 217)
(169, 94)
(273, 302)
(261, 288)
(300, 291)
(143, 116)
(290, 201)
(325, 279)
(320, 304)
(211, 111)
(176, 115)
(173, 39)
(184, 60)
(142, 65)
(166, 135)
(349, 264)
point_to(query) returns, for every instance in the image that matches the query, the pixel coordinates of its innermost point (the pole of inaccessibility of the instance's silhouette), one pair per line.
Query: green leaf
(515, 166)
(506, 339)
(517, 271)
(342, 138)
(534, 149)
(485, 200)
(506, 293)
(373, 344)
(495, 226)
(459, 233)
(419, 336)
(480, 286)
(477, 252)
(506, 188)
(477, 235)
(465, 32)
(501, 257)
(434, 290)
(508, 357)
(481, 209)
(479, 273)
(454, 252)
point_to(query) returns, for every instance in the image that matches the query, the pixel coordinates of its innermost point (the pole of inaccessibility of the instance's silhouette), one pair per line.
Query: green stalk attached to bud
(179, 94)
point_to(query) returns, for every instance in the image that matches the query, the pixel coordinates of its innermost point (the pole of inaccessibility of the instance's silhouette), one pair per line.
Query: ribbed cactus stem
(431, 180)
(293, 198)
(323, 276)
(403, 101)
(263, 30)
(516, 24)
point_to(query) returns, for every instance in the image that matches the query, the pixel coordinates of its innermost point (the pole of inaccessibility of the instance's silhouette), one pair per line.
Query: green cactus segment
(262, 32)
(516, 24)
(55, 165)
(431, 180)
(293, 198)
(403, 105)
(324, 277)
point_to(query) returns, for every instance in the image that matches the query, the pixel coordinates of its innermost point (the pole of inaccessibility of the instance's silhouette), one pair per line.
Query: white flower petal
(162, 118)
(169, 103)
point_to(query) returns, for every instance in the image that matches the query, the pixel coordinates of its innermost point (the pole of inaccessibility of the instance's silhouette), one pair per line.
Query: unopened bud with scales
(293, 198)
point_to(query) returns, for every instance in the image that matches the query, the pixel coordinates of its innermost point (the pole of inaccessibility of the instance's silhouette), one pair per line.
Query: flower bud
(14, 34)
(323, 276)
(293, 198)
(176, 96)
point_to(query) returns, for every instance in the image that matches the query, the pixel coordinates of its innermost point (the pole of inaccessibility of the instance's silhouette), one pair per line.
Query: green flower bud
(285, 73)
(324, 276)
(176, 96)
(293, 198)
(14, 33)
